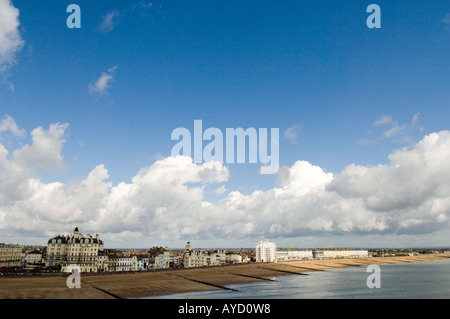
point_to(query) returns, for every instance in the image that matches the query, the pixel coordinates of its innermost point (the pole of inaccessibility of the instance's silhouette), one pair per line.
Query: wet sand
(146, 284)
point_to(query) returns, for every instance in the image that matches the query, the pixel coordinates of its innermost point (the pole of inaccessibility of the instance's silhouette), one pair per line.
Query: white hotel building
(75, 249)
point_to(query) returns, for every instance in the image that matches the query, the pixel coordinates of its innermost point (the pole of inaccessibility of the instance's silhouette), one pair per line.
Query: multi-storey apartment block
(266, 251)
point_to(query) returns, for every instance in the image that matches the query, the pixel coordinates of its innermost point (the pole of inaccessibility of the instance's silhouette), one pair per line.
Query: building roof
(4, 245)
(63, 239)
(75, 238)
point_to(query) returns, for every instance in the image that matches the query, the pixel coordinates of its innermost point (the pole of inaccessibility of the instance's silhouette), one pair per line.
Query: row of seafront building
(88, 253)
(13, 255)
(10, 255)
(267, 252)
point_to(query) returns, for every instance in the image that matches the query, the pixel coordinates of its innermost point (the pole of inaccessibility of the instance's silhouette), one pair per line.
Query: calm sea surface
(428, 279)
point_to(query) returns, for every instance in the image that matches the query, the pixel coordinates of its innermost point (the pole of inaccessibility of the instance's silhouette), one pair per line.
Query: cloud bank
(165, 202)
(10, 40)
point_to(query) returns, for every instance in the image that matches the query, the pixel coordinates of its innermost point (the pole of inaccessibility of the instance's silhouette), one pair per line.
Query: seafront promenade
(146, 284)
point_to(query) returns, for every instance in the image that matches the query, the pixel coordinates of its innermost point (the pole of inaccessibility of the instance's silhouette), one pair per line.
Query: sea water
(426, 279)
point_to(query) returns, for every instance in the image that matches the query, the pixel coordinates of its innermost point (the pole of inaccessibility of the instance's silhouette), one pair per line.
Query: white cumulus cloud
(165, 201)
(9, 124)
(10, 39)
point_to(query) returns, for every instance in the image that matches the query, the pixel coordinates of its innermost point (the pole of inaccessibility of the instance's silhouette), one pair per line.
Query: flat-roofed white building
(286, 255)
(231, 258)
(166, 260)
(124, 263)
(266, 251)
(340, 253)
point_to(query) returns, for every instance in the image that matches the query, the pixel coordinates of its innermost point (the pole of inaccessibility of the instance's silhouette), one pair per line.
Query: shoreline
(169, 282)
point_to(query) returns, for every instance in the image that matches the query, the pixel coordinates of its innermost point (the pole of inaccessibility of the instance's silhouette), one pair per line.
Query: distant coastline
(167, 282)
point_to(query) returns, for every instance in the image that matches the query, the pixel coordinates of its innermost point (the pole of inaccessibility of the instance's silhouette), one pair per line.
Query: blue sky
(349, 94)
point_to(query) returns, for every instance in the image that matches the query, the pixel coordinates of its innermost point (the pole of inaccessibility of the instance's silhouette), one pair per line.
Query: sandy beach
(166, 282)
